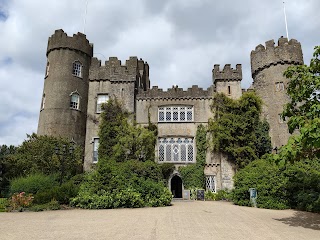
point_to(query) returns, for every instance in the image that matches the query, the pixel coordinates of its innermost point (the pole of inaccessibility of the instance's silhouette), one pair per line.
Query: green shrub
(52, 205)
(123, 184)
(4, 203)
(62, 193)
(268, 179)
(32, 183)
(210, 196)
(303, 185)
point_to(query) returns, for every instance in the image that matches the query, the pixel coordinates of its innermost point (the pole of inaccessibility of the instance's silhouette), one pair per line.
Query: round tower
(268, 64)
(65, 94)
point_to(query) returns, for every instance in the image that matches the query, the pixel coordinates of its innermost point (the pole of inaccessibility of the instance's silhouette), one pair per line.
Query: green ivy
(193, 174)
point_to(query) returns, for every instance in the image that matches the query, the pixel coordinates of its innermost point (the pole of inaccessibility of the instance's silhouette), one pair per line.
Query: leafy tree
(37, 154)
(237, 129)
(121, 140)
(113, 119)
(6, 167)
(126, 174)
(303, 111)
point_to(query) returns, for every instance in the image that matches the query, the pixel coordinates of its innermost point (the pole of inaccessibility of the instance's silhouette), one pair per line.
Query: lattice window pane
(210, 183)
(161, 116)
(168, 116)
(189, 116)
(182, 116)
(183, 153)
(161, 153)
(190, 153)
(168, 153)
(175, 152)
(175, 116)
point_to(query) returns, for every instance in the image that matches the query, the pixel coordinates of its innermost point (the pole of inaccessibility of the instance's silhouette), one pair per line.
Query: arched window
(77, 69)
(74, 101)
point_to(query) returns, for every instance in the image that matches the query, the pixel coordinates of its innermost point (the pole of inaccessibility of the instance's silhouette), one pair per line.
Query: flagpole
(285, 19)
(85, 18)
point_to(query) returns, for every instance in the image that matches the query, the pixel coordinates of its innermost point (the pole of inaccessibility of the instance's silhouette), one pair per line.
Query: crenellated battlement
(79, 42)
(286, 52)
(114, 70)
(227, 73)
(175, 93)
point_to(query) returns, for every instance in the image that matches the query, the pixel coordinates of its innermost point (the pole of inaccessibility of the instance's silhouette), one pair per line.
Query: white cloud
(181, 40)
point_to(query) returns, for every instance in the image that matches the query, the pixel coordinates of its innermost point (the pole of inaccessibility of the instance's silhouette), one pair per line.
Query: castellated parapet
(228, 81)
(287, 52)
(113, 70)
(78, 42)
(175, 93)
(227, 73)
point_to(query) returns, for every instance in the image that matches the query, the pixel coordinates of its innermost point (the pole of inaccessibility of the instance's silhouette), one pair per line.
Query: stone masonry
(72, 71)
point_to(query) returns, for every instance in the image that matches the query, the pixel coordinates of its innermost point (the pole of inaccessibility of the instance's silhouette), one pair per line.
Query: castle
(76, 84)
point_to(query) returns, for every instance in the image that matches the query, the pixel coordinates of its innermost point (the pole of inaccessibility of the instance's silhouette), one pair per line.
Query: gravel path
(183, 220)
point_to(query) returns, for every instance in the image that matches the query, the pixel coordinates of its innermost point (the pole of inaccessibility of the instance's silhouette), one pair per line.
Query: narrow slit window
(95, 150)
(229, 90)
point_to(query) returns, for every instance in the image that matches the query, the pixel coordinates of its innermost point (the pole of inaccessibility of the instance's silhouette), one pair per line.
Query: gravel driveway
(183, 220)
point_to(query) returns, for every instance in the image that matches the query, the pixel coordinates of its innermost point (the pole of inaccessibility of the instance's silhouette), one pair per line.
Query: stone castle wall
(56, 118)
(228, 80)
(268, 64)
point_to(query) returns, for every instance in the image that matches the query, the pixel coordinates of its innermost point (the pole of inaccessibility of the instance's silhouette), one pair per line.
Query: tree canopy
(303, 111)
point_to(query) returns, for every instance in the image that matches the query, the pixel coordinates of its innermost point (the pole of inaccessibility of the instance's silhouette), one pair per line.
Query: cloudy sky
(180, 39)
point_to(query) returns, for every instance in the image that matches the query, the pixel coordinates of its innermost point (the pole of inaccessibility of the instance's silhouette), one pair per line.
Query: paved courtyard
(183, 220)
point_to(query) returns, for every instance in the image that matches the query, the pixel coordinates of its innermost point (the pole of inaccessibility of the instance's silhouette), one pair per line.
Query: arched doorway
(176, 186)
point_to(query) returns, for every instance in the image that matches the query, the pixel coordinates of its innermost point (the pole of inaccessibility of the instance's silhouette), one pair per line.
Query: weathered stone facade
(268, 64)
(176, 112)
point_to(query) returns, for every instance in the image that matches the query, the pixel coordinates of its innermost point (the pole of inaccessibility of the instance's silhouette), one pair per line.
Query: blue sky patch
(3, 16)
(6, 61)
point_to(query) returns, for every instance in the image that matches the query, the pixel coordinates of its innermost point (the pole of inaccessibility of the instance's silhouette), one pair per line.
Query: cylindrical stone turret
(65, 95)
(267, 67)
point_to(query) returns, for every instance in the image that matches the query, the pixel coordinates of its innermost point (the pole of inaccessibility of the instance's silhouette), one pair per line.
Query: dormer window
(77, 69)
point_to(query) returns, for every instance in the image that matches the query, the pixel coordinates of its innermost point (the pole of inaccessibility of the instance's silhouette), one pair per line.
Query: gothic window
(210, 183)
(74, 101)
(77, 69)
(95, 150)
(47, 68)
(43, 101)
(176, 150)
(175, 114)
(102, 98)
(279, 86)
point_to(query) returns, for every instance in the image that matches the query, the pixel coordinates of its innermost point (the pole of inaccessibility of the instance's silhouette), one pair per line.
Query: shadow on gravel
(302, 219)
